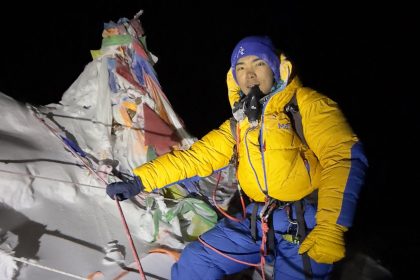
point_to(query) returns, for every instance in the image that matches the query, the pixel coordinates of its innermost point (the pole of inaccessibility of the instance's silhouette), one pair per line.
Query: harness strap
(307, 269)
(297, 237)
(254, 222)
(271, 246)
(268, 219)
(292, 110)
(233, 123)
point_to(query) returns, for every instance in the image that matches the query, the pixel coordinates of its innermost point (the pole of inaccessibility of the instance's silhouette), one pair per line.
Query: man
(279, 171)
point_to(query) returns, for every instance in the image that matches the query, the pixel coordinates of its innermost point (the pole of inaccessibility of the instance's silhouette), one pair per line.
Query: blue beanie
(260, 46)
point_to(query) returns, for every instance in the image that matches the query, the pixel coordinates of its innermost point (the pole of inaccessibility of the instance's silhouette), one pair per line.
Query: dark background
(359, 55)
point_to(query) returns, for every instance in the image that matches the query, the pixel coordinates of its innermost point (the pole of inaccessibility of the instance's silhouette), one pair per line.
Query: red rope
(224, 213)
(264, 225)
(263, 252)
(130, 239)
(225, 255)
(93, 172)
(256, 265)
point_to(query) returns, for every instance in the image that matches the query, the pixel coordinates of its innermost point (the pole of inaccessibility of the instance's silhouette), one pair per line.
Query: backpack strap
(233, 163)
(233, 123)
(292, 111)
(302, 232)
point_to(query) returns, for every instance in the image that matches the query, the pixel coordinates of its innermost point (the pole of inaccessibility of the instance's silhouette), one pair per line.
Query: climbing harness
(297, 228)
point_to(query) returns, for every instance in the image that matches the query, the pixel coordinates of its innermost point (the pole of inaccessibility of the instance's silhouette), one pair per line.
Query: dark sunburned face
(250, 71)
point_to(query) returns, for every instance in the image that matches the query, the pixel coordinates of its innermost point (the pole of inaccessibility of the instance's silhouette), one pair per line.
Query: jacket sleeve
(205, 156)
(340, 154)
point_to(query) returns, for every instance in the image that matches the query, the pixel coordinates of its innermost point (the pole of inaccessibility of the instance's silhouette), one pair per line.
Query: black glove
(125, 190)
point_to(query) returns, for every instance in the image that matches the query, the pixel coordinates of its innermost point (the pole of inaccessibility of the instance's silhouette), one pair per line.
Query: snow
(52, 210)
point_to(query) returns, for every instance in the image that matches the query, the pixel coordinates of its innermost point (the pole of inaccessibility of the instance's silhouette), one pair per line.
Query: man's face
(251, 71)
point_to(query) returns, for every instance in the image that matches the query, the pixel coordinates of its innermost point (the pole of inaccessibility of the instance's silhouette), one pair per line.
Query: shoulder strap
(292, 110)
(233, 123)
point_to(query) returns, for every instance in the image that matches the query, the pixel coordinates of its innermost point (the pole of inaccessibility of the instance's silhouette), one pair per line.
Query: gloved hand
(325, 243)
(125, 190)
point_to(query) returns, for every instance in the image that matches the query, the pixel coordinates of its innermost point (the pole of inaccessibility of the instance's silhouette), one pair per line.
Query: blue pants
(234, 239)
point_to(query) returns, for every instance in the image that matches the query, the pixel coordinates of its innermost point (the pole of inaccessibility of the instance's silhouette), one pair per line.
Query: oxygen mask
(249, 106)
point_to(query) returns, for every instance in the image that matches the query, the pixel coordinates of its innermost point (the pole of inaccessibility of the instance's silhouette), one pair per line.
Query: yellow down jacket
(271, 158)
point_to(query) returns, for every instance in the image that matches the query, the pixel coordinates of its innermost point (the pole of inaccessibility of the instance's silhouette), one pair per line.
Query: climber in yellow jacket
(276, 169)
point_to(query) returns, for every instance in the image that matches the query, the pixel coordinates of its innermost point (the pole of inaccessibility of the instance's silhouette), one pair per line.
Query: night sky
(358, 55)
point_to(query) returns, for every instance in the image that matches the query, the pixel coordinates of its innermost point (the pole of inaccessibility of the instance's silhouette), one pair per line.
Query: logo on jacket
(284, 125)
